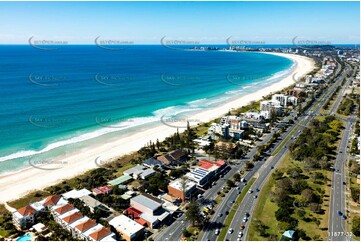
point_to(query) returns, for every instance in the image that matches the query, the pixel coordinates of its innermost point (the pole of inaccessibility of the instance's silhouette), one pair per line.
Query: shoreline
(18, 183)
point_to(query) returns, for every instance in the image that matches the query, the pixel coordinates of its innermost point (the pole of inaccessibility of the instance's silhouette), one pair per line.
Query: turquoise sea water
(53, 102)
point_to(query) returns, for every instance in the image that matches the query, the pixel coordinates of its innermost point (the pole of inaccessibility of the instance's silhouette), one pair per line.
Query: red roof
(206, 166)
(132, 211)
(102, 190)
(27, 210)
(217, 163)
(73, 217)
(220, 162)
(52, 200)
(100, 234)
(141, 221)
(63, 209)
(86, 225)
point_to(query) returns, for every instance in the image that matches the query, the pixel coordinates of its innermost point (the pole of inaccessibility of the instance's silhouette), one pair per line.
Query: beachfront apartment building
(284, 100)
(24, 217)
(128, 228)
(269, 106)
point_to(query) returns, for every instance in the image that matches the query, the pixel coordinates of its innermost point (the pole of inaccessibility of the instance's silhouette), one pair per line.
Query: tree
(230, 183)
(236, 177)
(193, 214)
(356, 225)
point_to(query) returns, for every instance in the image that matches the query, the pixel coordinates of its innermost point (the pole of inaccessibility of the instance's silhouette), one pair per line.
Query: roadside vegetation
(297, 194)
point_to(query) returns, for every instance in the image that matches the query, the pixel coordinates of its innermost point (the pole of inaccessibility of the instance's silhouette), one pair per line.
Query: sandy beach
(19, 183)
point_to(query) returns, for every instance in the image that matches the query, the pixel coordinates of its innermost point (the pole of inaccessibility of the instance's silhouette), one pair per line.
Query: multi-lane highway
(337, 219)
(263, 169)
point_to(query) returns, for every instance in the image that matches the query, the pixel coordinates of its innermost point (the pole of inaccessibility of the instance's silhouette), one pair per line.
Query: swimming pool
(25, 237)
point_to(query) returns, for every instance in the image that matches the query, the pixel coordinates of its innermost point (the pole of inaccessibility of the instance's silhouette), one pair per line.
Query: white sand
(17, 184)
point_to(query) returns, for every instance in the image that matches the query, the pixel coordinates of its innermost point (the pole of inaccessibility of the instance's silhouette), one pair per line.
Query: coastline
(19, 183)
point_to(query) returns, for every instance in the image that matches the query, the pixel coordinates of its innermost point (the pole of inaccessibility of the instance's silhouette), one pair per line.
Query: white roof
(125, 225)
(110, 237)
(177, 184)
(76, 193)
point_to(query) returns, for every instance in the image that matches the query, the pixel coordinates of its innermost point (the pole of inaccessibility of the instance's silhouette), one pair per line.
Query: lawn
(233, 211)
(265, 209)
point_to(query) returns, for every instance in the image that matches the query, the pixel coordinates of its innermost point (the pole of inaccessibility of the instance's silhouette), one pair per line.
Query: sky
(202, 22)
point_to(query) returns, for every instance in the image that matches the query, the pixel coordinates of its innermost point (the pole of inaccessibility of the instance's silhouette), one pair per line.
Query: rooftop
(177, 184)
(86, 225)
(120, 180)
(125, 225)
(76, 193)
(100, 234)
(148, 201)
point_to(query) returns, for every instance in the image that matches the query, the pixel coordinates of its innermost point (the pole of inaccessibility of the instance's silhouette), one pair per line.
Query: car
(339, 213)
(240, 234)
(230, 231)
(244, 220)
(216, 232)
(226, 212)
(255, 196)
(257, 190)
(247, 214)
(272, 167)
(344, 217)
(237, 188)
(238, 239)
(250, 191)
(340, 152)
(220, 215)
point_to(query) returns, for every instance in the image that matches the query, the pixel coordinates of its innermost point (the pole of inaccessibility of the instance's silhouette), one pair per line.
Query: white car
(240, 234)
(230, 231)
(250, 191)
(216, 232)
(245, 219)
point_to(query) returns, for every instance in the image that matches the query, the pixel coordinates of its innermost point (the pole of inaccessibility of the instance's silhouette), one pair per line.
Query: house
(181, 189)
(67, 220)
(98, 233)
(60, 210)
(139, 171)
(151, 163)
(175, 157)
(102, 234)
(24, 217)
(82, 227)
(127, 228)
(101, 190)
(74, 194)
(51, 201)
(120, 180)
(91, 203)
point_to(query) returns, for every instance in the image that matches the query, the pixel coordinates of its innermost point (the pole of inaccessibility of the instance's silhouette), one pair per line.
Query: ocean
(54, 102)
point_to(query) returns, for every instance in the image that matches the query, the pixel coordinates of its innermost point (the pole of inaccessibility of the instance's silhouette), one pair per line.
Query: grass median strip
(235, 206)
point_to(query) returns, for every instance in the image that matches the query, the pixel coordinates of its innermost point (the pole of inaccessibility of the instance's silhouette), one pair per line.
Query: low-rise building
(175, 157)
(127, 228)
(182, 188)
(24, 217)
